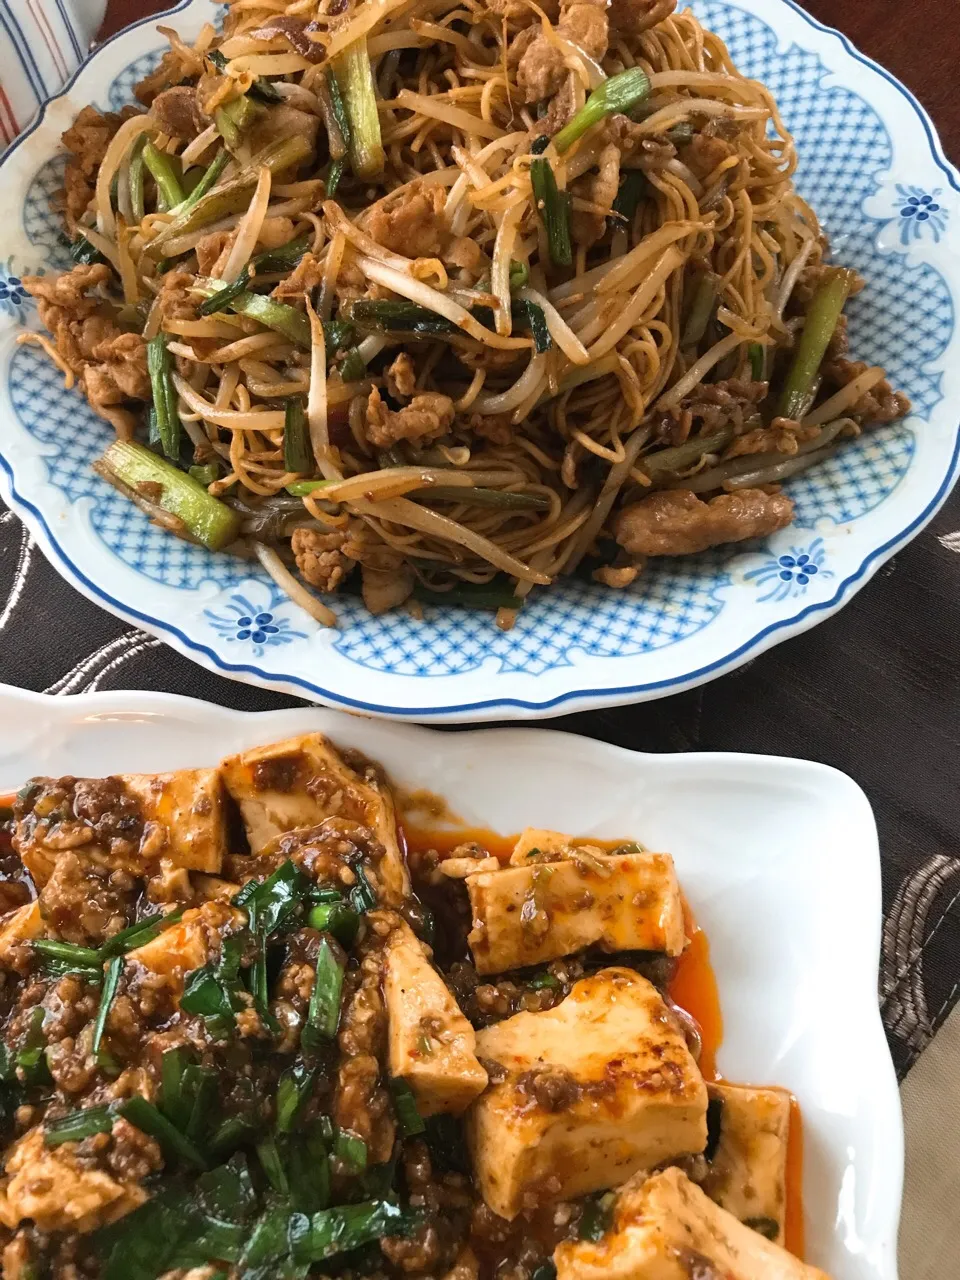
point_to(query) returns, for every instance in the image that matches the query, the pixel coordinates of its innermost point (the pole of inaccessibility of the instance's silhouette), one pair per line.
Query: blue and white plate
(871, 165)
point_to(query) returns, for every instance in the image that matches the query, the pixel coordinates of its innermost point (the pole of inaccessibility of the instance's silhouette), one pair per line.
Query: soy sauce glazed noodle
(454, 299)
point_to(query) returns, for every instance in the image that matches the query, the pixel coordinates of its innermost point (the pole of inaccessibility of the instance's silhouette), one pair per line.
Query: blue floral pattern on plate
(14, 298)
(790, 574)
(257, 625)
(866, 156)
(920, 211)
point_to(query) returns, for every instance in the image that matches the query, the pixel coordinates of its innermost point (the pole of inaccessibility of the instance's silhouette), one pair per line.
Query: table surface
(873, 690)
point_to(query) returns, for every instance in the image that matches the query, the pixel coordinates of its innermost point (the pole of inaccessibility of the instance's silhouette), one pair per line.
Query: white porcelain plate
(777, 857)
(870, 164)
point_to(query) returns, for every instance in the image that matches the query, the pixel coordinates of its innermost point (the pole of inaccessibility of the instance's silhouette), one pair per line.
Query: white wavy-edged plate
(870, 163)
(777, 857)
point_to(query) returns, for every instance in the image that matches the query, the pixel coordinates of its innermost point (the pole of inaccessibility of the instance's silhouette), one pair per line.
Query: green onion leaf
(823, 316)
(354, 367)
(363, 896)
(409, 1120)
(164, 175)
(338, 919)
(83, 252)
(297, 454)
(554, 209)
(136, 935)
(757, 356)
(268, 1153)
(144, 1116)
(292, 1091)
(323, 1013)
(351, 1151)
(633, 188)
(110, 983)
(519, 274)
(334, 1231)
(205, 473)
(159, 367)
(207, 519)
(77, 1125)
(618, 95)
(354, 77)
(81, 957)
(211, 176)
(544, 981)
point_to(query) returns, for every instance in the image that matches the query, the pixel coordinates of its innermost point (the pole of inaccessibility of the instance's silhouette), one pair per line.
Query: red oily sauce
(693, 987)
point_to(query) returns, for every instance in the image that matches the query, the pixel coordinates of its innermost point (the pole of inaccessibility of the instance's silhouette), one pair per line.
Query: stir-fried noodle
(448, 300)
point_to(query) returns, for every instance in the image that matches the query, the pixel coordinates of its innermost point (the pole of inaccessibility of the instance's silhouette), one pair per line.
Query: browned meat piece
(87, 140)
(704, 153)
(541, 72)
(296, 32)
(426, 417)
(732, 402)
(466, 254)
(879, 405)
(110, 364)
(177, 111)
(174, 68)
(320, 557)
(281, 121)
(498, 428)
(305, 277)
(587, 26)
(385, 589)
(782, 436)
(618, 576)
(560, 111)
(631, 17)
(599, 188)
(209, 249)
(402, 377)
(84, 903)
(414, 226)
(677, 523)
(520, 14)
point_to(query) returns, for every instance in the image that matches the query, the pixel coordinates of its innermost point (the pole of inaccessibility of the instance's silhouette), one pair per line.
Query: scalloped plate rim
(574, 699)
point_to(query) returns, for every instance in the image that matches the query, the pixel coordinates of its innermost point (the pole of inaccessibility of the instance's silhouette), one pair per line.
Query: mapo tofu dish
(250, 1031)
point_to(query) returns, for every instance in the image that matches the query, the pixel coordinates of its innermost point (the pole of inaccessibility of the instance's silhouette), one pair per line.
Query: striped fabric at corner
(41, 45)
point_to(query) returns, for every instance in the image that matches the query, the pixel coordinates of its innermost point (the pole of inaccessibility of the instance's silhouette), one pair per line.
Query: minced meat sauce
(195, 1074)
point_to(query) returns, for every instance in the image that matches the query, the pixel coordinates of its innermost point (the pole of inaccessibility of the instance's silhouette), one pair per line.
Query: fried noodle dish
(440, 300)
(248, 1031)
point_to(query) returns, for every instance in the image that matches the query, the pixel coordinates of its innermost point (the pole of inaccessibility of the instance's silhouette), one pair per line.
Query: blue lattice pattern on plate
(121, 91)
(42, 221)
(844, 148)
(677, 601)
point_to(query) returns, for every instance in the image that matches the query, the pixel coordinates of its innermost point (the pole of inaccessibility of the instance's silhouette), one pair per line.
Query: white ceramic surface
(777, 857)
(871, 165)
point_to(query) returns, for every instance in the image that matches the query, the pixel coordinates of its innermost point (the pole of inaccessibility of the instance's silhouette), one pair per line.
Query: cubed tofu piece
(190, 943)
(619, 902)
(301, 781)
(534, 840)
(184, 817)
(663, 1226)
(126, 822)
(20, 926)
(594, 1089)
(431, 1044)
(748, 1170)
(55, 1191)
